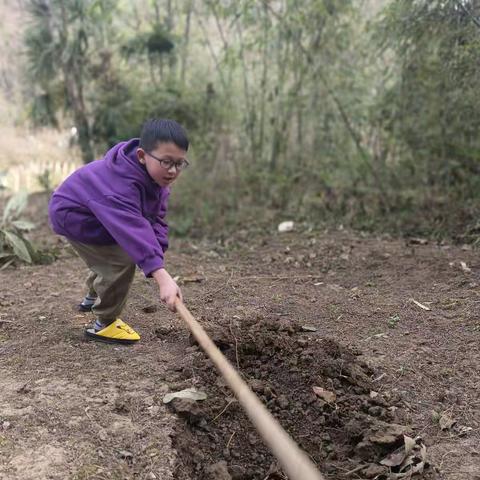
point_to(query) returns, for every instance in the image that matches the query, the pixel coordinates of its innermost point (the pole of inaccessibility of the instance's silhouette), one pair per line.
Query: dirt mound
(321, 393)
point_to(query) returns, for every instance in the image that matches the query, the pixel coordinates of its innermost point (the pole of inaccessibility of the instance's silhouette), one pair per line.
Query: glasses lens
(167, 164)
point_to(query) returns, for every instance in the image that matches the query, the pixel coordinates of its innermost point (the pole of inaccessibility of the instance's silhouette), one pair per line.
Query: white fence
(25, 177)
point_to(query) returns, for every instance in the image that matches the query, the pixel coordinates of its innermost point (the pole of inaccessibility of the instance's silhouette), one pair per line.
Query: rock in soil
(188, 409)
(217, 471)
(374, 471)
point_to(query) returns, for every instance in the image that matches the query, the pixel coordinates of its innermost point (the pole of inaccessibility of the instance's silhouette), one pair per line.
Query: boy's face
(164, 163)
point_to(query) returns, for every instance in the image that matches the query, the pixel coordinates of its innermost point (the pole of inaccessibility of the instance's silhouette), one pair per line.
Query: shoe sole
(83, 308)
(91, 335)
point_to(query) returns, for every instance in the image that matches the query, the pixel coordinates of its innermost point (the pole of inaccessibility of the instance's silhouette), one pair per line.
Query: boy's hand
(169, 290)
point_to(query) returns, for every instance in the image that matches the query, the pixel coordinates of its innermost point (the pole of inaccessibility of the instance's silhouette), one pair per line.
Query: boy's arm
(169, 290)
(160, 227)
(123, 219)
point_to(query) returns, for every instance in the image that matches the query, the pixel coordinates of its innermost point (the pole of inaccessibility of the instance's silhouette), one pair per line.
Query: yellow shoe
(117, 332)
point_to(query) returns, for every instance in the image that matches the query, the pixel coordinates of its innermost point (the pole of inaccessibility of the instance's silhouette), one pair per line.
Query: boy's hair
(162, 130)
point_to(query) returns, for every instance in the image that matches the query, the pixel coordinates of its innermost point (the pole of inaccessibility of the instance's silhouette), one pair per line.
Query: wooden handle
(293, 460)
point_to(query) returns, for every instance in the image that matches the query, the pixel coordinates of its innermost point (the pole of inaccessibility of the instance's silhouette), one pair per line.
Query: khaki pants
(111, 275)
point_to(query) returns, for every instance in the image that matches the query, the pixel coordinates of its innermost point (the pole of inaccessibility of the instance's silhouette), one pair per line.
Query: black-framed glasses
(167, 164)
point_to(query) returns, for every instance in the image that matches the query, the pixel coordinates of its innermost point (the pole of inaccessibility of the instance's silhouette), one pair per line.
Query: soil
(332, 310)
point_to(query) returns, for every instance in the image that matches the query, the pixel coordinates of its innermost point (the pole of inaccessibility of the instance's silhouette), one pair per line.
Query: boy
(112, 211)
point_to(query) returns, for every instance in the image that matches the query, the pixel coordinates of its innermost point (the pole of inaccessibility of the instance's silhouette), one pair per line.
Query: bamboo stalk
(294, 461)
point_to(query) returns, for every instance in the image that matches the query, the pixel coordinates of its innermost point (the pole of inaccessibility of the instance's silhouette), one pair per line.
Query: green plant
(13, 244)
(393, 321)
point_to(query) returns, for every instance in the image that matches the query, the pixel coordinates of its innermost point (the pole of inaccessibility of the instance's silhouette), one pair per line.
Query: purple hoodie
(114, 200)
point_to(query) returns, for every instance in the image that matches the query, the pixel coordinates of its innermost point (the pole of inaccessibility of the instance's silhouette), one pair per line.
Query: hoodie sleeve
(160, 227)
(123, 219)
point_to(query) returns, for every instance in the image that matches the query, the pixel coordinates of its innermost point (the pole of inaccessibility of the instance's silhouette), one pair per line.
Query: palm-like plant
(13, 244)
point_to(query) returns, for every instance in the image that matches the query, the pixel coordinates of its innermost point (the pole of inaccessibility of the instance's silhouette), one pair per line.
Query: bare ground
(75, 409)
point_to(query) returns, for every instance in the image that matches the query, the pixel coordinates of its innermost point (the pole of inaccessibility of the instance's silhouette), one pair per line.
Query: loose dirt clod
(284, 366)
(217, 471)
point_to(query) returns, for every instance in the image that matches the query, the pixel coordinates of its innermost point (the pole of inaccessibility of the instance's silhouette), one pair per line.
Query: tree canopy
(321, 108)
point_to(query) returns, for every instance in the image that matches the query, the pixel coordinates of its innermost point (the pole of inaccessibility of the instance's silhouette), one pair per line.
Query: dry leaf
(463, 430)
(446, 422)
(423, 452)
(465, 268)
(326, 395)
(417, 467)
(394, 459)
(193, 279)
(379, 377)
(417, 241)
(191, 393)
(409, 443)
(308, 328)
(125, 454)
(418, 304)
(407, 460)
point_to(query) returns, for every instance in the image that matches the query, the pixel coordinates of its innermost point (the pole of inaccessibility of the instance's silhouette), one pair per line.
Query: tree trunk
(186, 42)
(72, 74)
(263, 94)
(249, 106)
(212, 53)
(75, 97)
(283, 50)
(170, 25)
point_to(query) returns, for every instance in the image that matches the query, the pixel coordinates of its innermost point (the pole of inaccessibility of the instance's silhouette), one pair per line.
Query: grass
(393, 321)
(86, 472)
(4, 441)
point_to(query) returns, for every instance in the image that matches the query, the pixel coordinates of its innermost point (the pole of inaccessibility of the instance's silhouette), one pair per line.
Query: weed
(393, 321)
